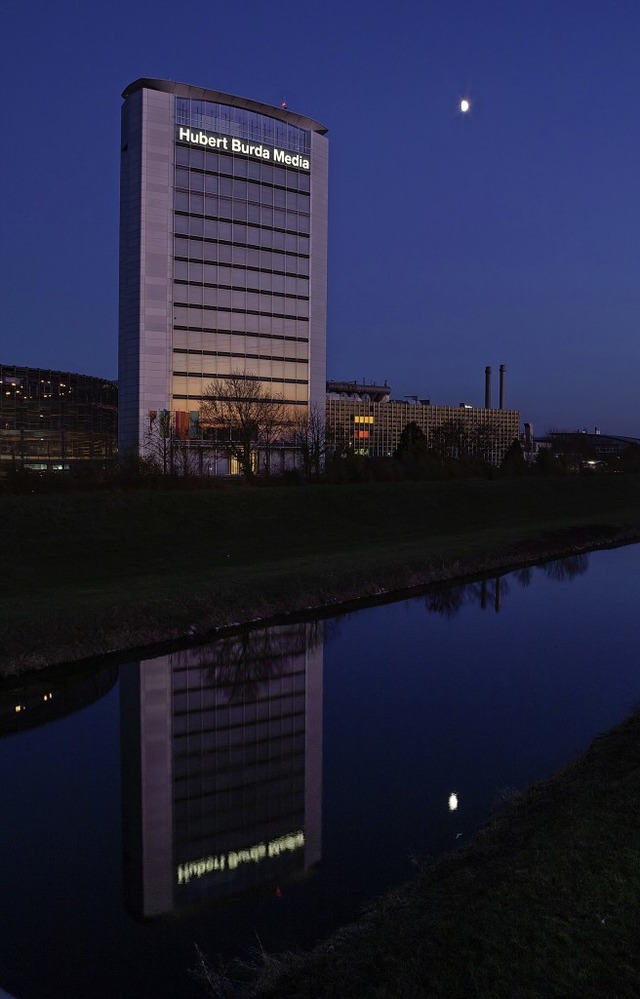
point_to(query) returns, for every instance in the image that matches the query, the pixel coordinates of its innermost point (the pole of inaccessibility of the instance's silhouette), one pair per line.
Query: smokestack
(502, 373)
(487, 387)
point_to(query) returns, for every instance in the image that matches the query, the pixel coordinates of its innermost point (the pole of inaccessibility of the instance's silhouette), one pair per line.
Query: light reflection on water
(258, 790)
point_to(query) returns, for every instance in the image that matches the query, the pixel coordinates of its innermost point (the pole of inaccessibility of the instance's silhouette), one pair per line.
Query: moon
(465, 105)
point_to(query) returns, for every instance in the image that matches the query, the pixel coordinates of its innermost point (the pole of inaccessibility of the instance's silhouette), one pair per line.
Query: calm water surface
(257, 791)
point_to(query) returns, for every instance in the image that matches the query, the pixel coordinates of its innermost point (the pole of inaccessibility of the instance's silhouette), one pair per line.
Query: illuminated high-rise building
(223, 252)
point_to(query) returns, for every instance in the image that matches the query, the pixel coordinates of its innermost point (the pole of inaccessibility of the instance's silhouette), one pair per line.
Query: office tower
(223, 250)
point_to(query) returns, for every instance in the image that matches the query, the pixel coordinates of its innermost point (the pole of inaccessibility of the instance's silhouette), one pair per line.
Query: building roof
(352, 390)
(202, 94)
(595, 439)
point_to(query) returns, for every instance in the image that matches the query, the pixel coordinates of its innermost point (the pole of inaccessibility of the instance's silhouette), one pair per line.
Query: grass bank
(86, 573)
(543, 903)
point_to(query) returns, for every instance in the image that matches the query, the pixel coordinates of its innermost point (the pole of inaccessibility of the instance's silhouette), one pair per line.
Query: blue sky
(507, 235)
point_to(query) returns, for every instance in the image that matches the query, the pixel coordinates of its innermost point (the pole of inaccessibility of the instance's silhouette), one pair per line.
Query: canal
(257, 791)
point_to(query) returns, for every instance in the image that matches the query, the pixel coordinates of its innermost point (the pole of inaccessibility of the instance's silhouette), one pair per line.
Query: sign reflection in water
(221, 768)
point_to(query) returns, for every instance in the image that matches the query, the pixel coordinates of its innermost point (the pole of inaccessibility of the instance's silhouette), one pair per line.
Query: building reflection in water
(34, 699)
(222, 768)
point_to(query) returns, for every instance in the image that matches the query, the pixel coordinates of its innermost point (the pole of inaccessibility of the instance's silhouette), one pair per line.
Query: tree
(243, 419)
(514, 462)
(461, 441)
(548, 463)
(309, 436)
(568, 568)
(169, 445)
(412, 446)
(484, 440)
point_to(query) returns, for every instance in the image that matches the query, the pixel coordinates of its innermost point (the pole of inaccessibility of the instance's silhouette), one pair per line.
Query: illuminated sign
(234, 858)
(230, 144)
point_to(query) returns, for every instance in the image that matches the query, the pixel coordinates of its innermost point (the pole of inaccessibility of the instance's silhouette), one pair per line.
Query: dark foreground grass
(544, 903)
(85, 573)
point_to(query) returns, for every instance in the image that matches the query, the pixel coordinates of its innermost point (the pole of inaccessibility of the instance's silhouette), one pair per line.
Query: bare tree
(309, 437)
(245, 419)
(459, 440)
(484, 442)
(273, 429)
(450, 440)
(170, 446)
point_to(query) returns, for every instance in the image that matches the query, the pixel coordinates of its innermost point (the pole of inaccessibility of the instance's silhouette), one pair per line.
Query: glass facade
(241, 259)
(241, 123)
(52, 420)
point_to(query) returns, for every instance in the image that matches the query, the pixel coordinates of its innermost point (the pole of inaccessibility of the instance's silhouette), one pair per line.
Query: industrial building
(366, 420)
(54, 421)
(223, 253)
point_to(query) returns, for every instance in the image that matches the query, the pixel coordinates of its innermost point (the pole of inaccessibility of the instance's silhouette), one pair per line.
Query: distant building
(604, 445)
(53, 421)
(368, 421)
(580, 447)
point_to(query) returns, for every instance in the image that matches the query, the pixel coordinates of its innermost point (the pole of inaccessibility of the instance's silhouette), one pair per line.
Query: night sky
(508, 235)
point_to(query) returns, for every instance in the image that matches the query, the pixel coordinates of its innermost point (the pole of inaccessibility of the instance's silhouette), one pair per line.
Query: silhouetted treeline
(452, 452)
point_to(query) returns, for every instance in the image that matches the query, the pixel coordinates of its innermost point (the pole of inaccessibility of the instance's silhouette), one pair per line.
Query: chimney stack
(487, 387)
(502, 374)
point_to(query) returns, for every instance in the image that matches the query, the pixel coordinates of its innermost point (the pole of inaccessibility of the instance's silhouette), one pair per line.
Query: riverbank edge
(541, 903)
(145, 629)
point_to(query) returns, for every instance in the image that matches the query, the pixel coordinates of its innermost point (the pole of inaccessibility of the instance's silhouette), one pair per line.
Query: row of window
(256, 283)
(241, 167)
(242, 211)
(236, 255)
(242, 123)
(33, 383)
(193, 394)
(251, 822)
(250, 783)
(268, 729)
(253, 327)
(243, 356)
(221, 715)
(268, 239)
(276, 656)
(241, 190)
(224, 372)
(21, 443)
(239, 278)
(231, 306)
(259, 371)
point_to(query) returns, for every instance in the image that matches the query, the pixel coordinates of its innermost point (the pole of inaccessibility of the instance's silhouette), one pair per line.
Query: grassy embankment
(86, 573)
(543, 904)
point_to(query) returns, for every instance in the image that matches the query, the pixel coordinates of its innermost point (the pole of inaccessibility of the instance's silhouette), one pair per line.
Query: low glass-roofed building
(55, 420)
